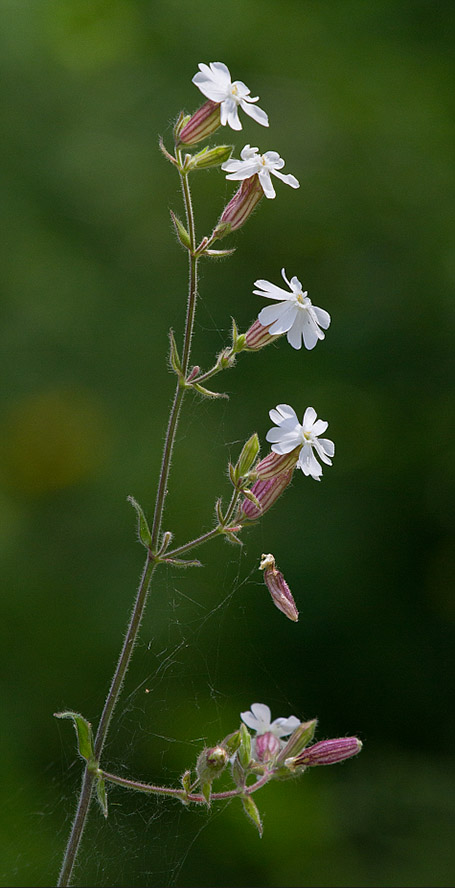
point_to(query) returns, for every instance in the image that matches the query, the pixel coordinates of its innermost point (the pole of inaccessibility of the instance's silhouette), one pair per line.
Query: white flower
(294, 314)
(290, 434)
(259, 720)
(253, 163)
(215, 83)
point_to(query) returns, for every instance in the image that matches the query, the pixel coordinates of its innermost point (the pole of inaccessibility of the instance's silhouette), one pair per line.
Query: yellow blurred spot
(53, 440)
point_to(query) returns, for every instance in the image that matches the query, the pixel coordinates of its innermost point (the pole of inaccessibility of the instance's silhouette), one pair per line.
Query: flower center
(234, 90)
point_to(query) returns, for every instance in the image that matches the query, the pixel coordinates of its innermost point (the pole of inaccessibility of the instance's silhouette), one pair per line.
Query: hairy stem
(180, 793)
(142, 594)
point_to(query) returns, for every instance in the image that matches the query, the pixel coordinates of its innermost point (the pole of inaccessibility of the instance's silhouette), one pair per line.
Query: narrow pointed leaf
(174, 357)
(101, 794)
(206, 392)
(84, 733)
(181, 231)
(143, 530)
(252, 812)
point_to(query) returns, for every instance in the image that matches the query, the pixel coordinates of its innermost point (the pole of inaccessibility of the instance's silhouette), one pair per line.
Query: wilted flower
(214, 82)
(261, 165)
(294, 314)
(290, 434)
(326, 752)
(278, 588)
(259, 720)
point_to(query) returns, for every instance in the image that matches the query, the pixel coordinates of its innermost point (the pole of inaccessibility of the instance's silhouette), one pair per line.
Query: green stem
(198, 798)
(141, 598)
(210, 535)
(180, 389)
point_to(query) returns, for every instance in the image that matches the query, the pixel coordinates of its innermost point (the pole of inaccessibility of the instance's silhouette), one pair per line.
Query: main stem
(150, 564)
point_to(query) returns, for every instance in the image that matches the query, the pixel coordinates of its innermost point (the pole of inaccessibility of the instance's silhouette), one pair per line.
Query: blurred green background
(360, 100)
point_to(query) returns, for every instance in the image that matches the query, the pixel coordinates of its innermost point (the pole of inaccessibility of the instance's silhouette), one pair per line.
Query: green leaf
(186, 781)
(252, 812)
(218, 254)
(206, 392)
(174, 356)
(181, 231)
(84, 734)
(143, 530)
(206, 790)
(101, 794)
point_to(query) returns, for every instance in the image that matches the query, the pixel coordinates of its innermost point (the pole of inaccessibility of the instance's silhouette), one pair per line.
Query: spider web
(177, 670)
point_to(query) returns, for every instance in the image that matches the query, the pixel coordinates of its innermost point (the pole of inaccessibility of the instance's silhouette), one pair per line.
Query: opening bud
(327, 752)
(266, 747)
(200, 125)
(240, 207)
(278, 588)
(266, 493)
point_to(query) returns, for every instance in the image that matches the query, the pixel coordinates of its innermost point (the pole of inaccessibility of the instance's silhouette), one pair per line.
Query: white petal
(310, 333)
(270, 314)
(323, 317)
(274, 159)
(250, 720)
(247, 153)
(319, 427)
(242, 90)
(233, 116)
(282, 412)
(256, 113)
(221, 71)
(281, 727)
(294, 336)
(285, 319)
(274, 436)
(245, 169)
(272, 291)
(266, 182)
(327, 446)
(308, 462)
(295, 285)
(283, 447)
(262, 712)
(309, 417)
(289, 179)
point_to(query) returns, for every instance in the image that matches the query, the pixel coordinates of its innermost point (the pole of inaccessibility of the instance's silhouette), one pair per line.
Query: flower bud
(211, 762)
(239, 207)
(200, 125)
(326, 752)
(278, 588)
(210, 157)
(258, 336)
(298, 740)
(248, 455)
(266, 492)
(274, 464)
(266, 747)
